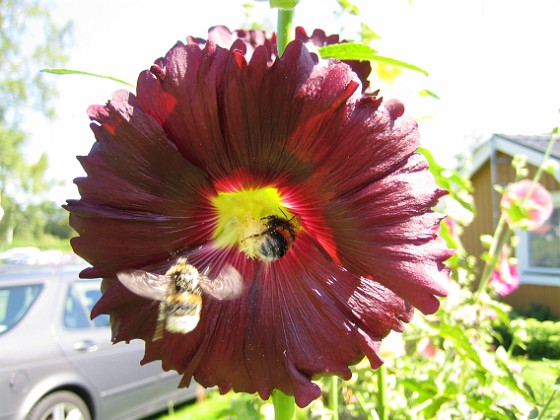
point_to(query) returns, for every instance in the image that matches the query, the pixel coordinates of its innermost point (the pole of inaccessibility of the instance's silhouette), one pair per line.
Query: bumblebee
(276, 239)
(179, 293)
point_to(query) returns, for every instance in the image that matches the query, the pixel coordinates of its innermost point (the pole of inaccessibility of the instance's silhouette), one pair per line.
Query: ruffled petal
(387, 230)
(296, 320)
(319, 39)
(123, 202)
(217, 109)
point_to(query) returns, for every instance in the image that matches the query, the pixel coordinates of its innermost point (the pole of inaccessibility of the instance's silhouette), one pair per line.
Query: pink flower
(526, 205)
(505, 278)
(426, 348)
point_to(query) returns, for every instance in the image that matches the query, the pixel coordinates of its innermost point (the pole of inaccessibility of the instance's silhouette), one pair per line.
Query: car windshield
(15, 301)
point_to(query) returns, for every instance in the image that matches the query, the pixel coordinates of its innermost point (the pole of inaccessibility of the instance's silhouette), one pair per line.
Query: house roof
(535, 142)
(532, 147)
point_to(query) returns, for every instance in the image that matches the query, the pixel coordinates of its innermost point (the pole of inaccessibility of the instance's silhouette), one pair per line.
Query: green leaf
(502, 311)
(348, 51)
(399, 63)
(551, 167)
(450, 180)
(456, 335)
(84, 73)
(508, 379)
(368, 34)
(432, 409)
(362, 52)
(284, 4)
(483, 406)
(349, 7)
(427, 92)
(499, 189)
(423, 389)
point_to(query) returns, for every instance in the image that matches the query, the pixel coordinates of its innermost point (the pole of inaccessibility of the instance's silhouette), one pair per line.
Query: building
(538, 253)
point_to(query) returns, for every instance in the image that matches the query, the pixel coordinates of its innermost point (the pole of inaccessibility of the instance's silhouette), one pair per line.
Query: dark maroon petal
(319, 39)
(384, 138)
(386, 230)
(251, 39)
(122, 200)
(301, 318)
(222, 119)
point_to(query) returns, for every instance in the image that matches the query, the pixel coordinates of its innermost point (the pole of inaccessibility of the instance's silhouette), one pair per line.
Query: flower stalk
(285, 29)
(499, 239)
(381, 393)
(284, 405)
(333, 397)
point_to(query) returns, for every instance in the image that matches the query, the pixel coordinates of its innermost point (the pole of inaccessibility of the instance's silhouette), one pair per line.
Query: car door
(113, 369)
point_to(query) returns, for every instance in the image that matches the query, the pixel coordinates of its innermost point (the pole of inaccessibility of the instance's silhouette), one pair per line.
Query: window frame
(542, 276)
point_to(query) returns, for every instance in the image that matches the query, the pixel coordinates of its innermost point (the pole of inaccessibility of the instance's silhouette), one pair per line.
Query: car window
(82, 296)
(15, 301)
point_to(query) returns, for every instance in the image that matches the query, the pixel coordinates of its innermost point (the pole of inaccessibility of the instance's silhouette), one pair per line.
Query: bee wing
(144, 284)
(227, 285)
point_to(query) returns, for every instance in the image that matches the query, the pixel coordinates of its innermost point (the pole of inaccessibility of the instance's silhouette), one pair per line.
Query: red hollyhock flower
(285, 175)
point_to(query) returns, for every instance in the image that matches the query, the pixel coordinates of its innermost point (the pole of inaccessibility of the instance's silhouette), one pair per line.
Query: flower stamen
(257, 222)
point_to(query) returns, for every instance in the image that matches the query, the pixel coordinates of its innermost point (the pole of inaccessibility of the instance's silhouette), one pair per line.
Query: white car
(56, 363)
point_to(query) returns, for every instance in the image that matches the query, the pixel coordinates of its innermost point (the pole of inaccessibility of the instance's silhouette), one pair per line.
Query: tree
(29, 40)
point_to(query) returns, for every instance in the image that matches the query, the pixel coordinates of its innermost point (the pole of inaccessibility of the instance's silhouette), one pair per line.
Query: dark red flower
(216, 158)
(253, 38)
(319, 39)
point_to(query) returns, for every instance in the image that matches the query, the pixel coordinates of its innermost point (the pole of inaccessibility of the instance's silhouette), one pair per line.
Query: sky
(495, 64)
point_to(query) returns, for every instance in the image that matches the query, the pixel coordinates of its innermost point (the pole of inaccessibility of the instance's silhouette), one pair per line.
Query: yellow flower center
(244, 217)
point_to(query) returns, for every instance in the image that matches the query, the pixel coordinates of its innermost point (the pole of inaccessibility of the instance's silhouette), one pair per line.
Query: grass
(216, 406)
(47, 242)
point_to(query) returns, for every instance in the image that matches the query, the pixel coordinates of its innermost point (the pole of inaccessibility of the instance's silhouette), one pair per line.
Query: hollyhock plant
(505, 278)
(283, 173)
(527, 205)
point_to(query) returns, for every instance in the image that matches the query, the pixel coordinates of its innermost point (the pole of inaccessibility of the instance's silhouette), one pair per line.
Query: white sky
(494, 63)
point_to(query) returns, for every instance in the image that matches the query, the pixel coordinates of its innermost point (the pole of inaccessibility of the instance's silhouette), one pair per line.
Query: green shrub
(531, 337)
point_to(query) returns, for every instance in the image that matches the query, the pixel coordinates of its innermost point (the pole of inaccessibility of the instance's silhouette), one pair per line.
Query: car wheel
(61, 405)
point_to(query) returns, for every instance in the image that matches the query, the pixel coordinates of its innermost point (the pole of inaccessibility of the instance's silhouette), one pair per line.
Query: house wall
(484, 223)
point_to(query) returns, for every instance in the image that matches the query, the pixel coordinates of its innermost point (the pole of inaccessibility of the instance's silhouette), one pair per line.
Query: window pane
(86, 295)
(14, 303)
(74, 314)
(544, 246)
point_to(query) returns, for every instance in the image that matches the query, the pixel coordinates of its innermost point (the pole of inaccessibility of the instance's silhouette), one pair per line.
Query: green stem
(547, 405)
(546, 156)
(381, 393)
(333, 397)
(512, 346)
(498, 241)
(285, 29)
(284, 405)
